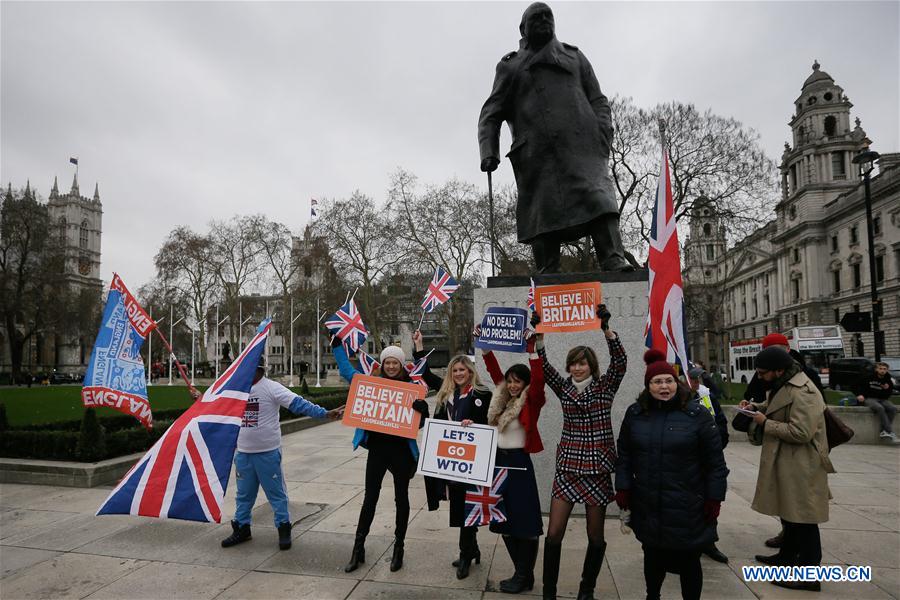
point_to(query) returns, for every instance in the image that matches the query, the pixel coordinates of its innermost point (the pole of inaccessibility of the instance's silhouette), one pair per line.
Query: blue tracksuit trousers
(255, 469)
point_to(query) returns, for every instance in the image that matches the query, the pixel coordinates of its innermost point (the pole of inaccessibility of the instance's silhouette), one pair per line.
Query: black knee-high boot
(552, 554)
(523, 552)
(593, 560)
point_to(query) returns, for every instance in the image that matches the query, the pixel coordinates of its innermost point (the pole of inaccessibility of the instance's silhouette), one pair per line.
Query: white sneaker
(886, 434)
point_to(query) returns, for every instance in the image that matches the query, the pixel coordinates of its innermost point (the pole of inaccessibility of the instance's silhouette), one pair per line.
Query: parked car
(844, 373)
(893, 363)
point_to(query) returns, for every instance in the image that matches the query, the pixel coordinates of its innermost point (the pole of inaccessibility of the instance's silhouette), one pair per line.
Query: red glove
(711, 509)
(529, 344)
(623, 499)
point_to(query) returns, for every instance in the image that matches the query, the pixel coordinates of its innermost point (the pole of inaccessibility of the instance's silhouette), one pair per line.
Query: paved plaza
(51, 545)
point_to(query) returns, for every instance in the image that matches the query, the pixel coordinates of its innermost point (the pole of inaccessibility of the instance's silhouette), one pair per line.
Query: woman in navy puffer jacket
(671, 474)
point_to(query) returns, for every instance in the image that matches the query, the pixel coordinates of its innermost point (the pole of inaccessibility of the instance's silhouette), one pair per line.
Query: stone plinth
(625, 294)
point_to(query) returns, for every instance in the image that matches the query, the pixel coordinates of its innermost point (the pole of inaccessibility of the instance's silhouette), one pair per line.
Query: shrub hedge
(93, 439)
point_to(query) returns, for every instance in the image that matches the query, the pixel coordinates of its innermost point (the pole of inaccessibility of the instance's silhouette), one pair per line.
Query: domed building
(809, 266)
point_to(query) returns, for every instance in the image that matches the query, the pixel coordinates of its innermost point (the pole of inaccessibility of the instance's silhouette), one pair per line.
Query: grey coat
(561, 135)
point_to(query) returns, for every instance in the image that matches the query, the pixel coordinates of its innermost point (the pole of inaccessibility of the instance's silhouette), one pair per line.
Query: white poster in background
(456, 453)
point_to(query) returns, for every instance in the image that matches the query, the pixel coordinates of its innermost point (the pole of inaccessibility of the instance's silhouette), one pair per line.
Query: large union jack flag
(439, 290)
(185, 473)
(348, 326)
(666, 327)
(368, 364)
(484, 505)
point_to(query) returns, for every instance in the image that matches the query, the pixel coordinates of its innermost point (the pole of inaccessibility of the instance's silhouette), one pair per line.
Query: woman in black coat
(462, 398)
(671, 474)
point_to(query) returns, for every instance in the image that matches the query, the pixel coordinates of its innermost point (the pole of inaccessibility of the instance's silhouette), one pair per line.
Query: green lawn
(48, 404)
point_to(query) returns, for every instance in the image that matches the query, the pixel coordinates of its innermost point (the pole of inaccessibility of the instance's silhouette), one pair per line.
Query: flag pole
(354, 294)
(420, 321)
(172, 357)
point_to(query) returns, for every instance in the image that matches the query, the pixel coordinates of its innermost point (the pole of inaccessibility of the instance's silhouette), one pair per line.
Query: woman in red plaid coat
(586, 454)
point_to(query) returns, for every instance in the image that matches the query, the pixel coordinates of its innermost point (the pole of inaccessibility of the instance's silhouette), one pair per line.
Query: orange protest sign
(383, 405)
(567, 308)
(456, 450)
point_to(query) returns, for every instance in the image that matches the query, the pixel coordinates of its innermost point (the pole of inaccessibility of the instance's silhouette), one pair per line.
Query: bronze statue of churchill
(561, 136)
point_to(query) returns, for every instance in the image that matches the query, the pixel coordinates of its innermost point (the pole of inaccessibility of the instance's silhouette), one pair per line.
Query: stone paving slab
(279, 586)
(73, 532)
(170, 581)
(324, 555)
(68, 576)
(14, 559)
(51, 545)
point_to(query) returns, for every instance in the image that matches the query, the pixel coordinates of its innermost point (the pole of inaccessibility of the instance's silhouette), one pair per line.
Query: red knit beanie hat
(656, 365)
(775, 339)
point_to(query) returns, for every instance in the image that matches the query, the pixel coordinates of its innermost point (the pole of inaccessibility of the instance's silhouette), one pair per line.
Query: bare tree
(710, 157)
(187, 263)
(444, 226)
(364, 245)
(32, 279)
(236, 253)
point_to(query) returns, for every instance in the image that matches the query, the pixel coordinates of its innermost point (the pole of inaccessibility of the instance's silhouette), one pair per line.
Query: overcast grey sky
(189, 111)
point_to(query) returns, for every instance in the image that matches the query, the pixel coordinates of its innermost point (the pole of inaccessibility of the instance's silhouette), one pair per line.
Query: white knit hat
(395, 352)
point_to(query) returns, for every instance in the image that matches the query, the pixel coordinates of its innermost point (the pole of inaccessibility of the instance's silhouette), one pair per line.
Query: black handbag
(836, 431)
(741, 422)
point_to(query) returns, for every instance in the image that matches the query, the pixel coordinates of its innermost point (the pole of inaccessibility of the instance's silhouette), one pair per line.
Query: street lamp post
(866, 161)
(217, 352)
(172, 324)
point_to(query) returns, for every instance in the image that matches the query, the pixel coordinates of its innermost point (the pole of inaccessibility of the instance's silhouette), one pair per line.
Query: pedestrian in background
(793, 466)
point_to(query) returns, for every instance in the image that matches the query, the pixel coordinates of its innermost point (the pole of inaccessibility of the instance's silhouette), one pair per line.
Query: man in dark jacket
(562, 132)
(874, 390)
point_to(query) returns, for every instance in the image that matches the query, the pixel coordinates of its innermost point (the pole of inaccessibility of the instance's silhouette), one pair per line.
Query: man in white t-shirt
(258, 457)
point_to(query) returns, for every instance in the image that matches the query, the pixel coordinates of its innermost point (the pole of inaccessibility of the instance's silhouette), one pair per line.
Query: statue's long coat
(561, 135)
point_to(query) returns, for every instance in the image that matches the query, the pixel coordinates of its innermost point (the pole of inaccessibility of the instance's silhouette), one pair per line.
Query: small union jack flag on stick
(484, 505)
(416, 370)
(348, 326)
(531, 296)
(368, 364)
(439, 290)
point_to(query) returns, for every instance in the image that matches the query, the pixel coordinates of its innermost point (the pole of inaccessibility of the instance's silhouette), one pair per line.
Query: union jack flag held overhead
(531, 296)
(666, 327)
(348, 326)
(185, 473)
(416, 371)
(368, 364)
(439, 290)
(484, 505)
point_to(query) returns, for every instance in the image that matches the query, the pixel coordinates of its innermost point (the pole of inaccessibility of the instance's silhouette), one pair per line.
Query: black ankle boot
(551, 568)
(358, 556)
(593, 560)
(524, 554)
(397, 558)
(468, 551)
(240, 533)
(284, 536)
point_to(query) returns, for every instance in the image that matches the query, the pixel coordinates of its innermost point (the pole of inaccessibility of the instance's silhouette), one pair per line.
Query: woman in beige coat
(793, 465)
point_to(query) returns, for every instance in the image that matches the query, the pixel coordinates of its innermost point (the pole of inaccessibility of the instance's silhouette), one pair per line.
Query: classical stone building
(78, 223)
(808, 266)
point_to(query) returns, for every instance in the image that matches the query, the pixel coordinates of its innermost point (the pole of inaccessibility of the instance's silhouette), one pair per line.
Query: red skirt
(591, 490)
